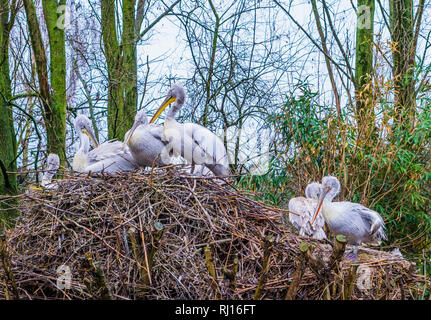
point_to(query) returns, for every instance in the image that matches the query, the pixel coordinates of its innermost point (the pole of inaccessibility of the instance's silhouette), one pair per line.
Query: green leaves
(390, 172)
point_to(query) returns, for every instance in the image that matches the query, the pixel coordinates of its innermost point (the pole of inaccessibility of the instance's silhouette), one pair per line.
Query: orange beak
(169, 99)
(129, 135)
(321, 198)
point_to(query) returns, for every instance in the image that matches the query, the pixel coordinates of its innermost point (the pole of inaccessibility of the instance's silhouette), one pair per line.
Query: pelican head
(329, 190)
(82, 125)
(140, 118)
(51, 167)
(330, 187)
(175, 94)
(312, 191)
(52, 162)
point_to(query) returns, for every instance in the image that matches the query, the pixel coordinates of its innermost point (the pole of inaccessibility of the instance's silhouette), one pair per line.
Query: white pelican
(85, 133)
(52, 165)
(356, 222)
(145, 142)
(108, 157)
(111, 157)
(306, 208)
(193, 142)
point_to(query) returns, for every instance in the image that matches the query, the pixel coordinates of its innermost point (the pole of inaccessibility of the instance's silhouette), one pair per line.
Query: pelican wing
(117, 163)
(373, 221)
(106, 150)
(209, 142)
(156, 131)
(296, 205)
(110, 157)
(305, 208)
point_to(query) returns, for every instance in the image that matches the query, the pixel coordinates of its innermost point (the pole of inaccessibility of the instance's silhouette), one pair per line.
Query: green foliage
(387, 169)
(269, 187)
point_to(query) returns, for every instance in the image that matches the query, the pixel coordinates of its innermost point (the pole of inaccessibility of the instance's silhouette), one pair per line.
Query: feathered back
(305, 207)
(106, 150)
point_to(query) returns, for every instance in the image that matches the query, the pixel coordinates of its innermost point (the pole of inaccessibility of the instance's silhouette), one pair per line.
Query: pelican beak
(129, 134)
(169, 99)
(319, 205)
(90, 134)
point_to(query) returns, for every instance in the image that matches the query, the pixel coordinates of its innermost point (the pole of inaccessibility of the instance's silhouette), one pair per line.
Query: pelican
(356, 222)
(195, 143)
(109, 157)
(306, 207)
(52, 165)
(145, 142)
(83, 129)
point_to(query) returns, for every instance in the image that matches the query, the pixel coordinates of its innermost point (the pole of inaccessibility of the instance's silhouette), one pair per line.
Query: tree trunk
(54, 103)
(113, 62)
(403, 54)
(56, 126)
(128, 44)
(121, 61)
(122, 67)
(326, 53)
(7, 132)
(364, 65)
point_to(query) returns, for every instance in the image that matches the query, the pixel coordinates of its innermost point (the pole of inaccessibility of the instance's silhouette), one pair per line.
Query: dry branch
(177, 237)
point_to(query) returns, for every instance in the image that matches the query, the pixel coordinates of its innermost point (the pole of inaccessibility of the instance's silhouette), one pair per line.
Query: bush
(386, 168)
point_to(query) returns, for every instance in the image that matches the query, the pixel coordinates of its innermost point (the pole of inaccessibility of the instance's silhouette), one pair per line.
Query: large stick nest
(164, 235)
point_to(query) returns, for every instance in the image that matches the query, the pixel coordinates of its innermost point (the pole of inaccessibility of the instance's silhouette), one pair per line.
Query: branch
(311, 39)
(325, 7)
(168, 10)
(328, 65)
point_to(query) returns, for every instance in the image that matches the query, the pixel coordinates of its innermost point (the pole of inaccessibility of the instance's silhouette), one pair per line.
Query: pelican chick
(305, 207)
(109, 157)
(195, 143)
(52, 165)
(353, 220)
(85, 133)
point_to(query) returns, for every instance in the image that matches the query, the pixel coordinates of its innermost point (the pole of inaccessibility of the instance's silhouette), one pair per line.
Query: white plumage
(195, 143)
(108, 157)
(52, 165)
(353, 220)
(145, 142)
(305, 208)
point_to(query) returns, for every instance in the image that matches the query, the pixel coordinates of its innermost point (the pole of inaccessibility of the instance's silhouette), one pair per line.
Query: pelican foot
(352, 257)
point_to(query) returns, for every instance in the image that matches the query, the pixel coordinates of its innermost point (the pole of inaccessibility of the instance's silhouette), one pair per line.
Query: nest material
(163, 235)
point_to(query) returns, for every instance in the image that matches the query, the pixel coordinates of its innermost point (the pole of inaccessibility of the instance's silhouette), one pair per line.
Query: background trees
(120, 54)
(52, 84)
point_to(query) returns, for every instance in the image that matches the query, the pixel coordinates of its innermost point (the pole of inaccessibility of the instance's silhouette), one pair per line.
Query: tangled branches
(163, 235)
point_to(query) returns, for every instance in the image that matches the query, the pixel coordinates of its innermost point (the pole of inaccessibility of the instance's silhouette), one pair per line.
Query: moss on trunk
(7, 132)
